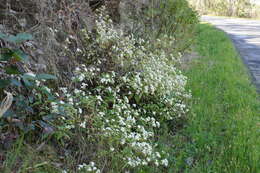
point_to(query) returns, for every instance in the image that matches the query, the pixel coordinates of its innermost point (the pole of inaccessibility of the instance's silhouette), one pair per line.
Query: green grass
(224, 129)
(24, 158)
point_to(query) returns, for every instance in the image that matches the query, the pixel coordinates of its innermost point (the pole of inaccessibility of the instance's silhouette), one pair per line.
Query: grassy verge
(224, 130)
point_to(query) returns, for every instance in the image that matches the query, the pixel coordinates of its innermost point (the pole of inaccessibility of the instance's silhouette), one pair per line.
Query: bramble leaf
(20, 55)
(12, 70)
(4, 83)
(45, 76)
(19, 38)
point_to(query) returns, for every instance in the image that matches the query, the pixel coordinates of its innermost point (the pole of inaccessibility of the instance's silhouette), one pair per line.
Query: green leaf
(3, 36)
(45, 77)
(12, 70)
(48, 117)
(51, 97)
(4, 83)
(138, 98)
(19, 38)
(6, 54)
(31, 99)
(29, 127)
(26, 82)
(16, 82)
(17, 54)
(20, 56)
(29, 76)
(9, 113)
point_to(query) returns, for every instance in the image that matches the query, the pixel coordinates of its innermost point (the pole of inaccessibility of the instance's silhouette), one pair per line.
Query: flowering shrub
(120, 97)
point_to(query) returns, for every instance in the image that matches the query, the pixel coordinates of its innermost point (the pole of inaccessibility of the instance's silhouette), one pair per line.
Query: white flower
(84, 85)
(92, 164)
(81, 77)
(76, 91)
(158, 154)
(77, 69)
(70, 100)
(63, 89)
(83, 124)
(79, 110)
(165, 162)
(82, 166)
(38, 83)
(99, 98)
(122, 141)
(79, 50)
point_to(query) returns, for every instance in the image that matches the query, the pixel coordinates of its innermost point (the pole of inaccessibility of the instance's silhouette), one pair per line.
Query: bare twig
(6, 103)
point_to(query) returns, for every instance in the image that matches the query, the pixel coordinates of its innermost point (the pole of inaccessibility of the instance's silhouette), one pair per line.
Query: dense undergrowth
(124, 93)
(126, 106)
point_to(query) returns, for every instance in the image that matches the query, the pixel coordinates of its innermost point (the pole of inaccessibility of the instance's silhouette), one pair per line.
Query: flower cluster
(91, 167)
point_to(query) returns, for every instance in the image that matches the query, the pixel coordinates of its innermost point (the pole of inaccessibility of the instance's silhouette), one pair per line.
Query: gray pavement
(246, 37)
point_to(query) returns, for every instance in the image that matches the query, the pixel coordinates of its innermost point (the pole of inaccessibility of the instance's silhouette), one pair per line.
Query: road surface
(246, 37)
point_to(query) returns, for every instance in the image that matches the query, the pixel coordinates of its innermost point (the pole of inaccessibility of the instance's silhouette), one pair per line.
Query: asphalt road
(246, 37)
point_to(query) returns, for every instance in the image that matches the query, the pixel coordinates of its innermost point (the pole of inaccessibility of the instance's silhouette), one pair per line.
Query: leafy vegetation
(123, 94)
(29, 93)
